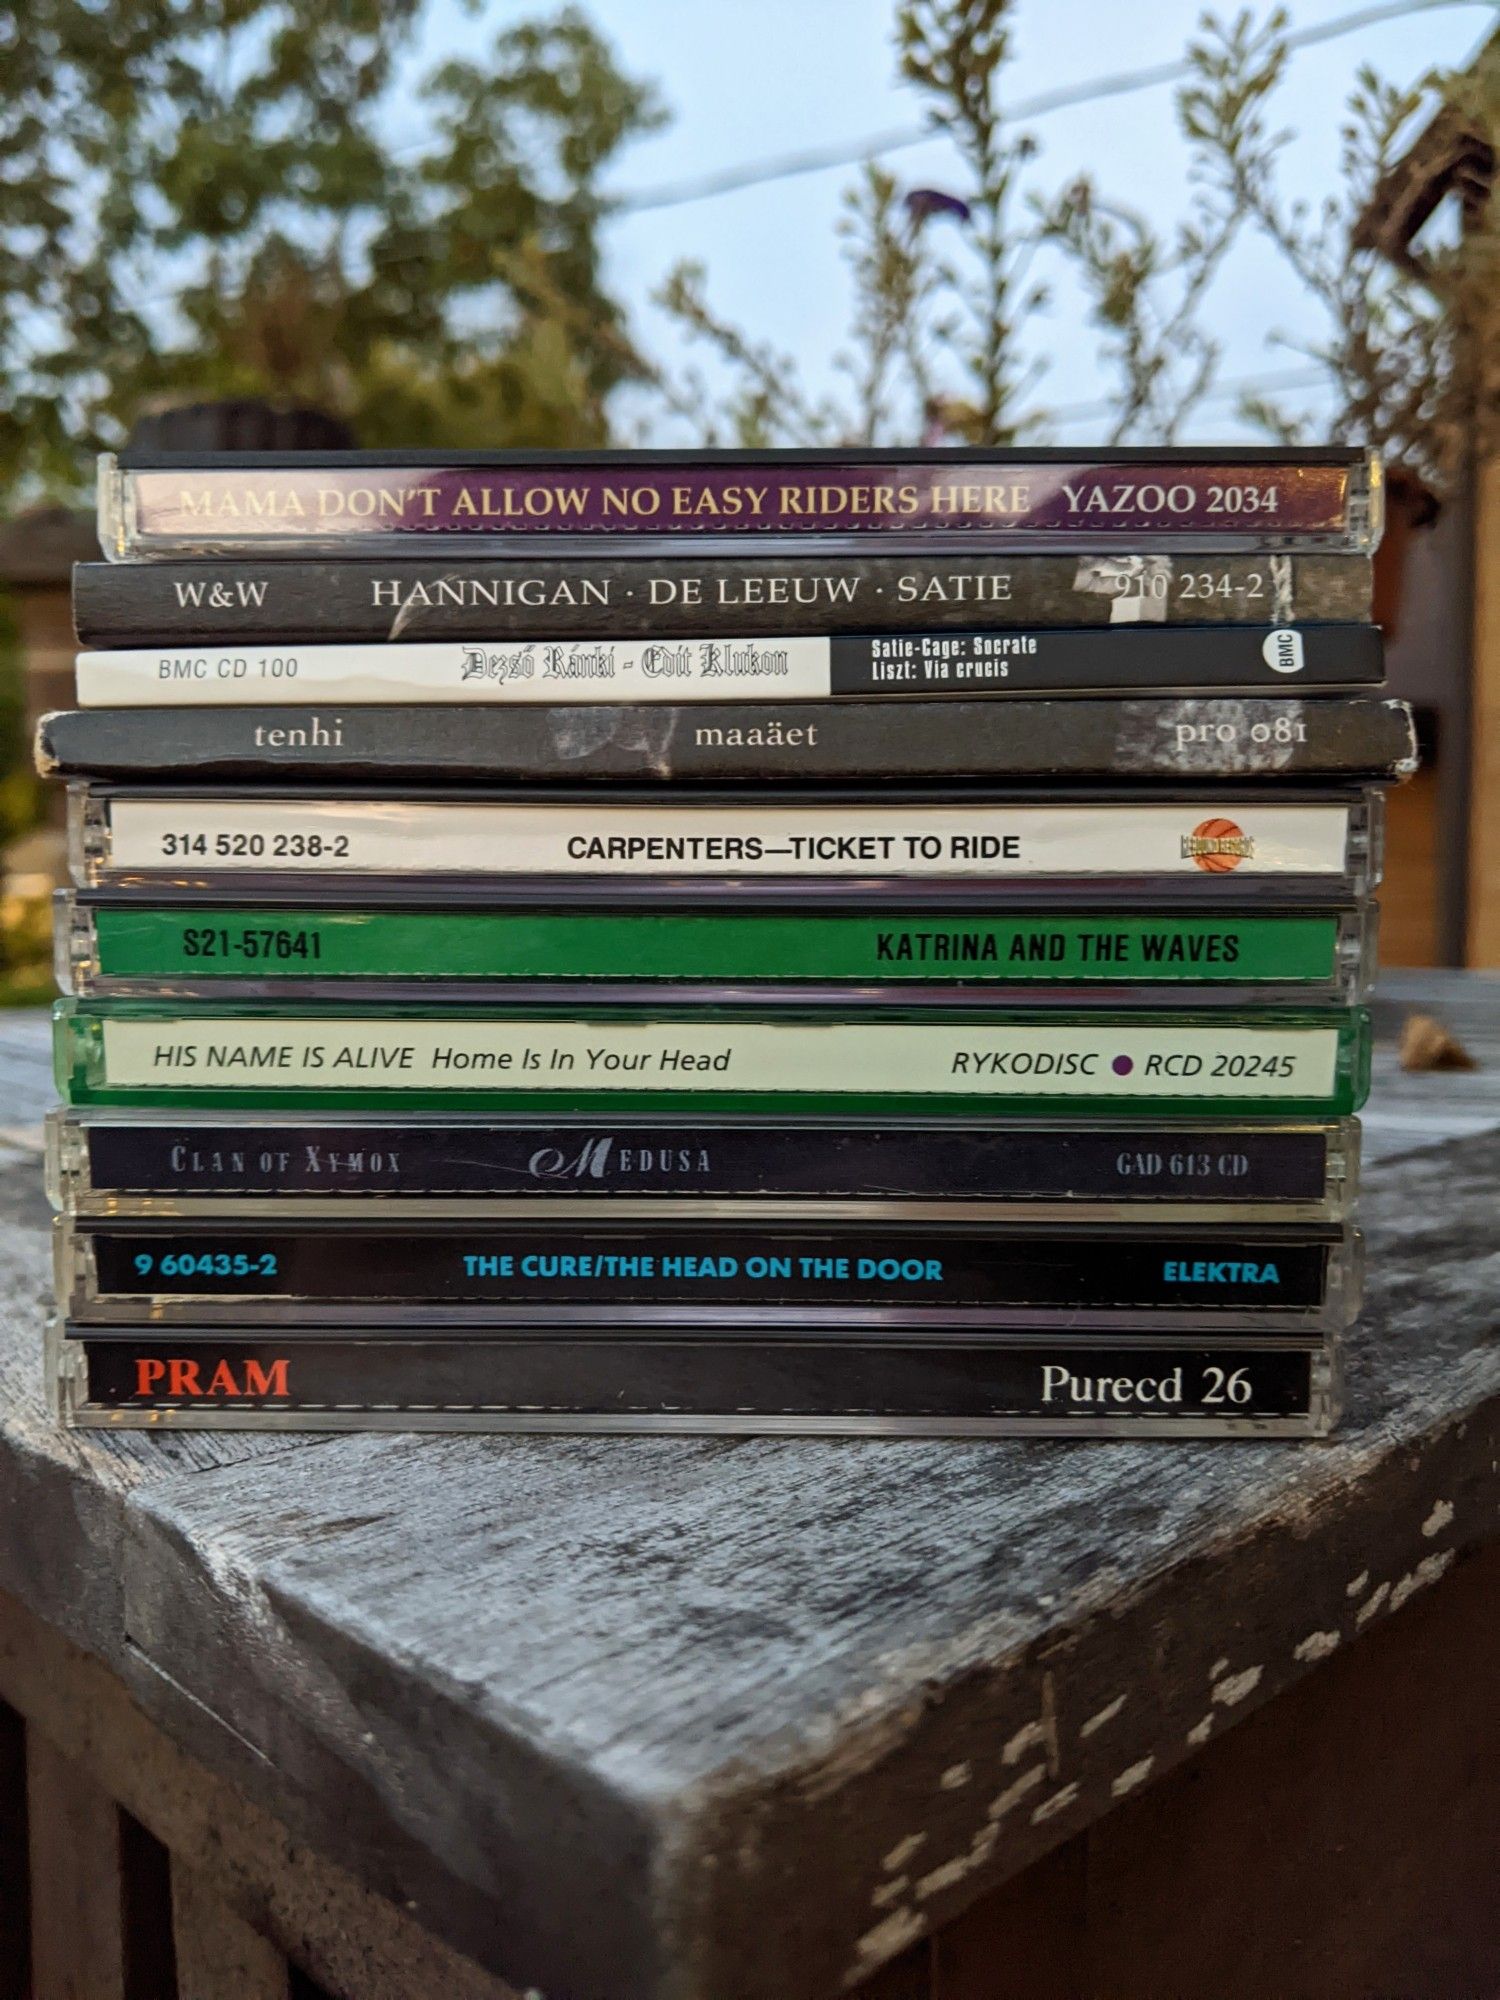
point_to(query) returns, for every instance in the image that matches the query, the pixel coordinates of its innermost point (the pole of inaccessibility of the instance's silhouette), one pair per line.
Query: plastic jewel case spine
(923, 1279)
(748, 666)
(213, 1378)
(1281, 1063)
(1192, 742)
(257, 1165)
(1194, 844)
(123, 945)
(838, 500)
(184, 603)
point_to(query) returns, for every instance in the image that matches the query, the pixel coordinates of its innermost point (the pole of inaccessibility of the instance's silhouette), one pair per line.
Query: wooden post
(77, 1885)
(1484, 820)
(219, 1957)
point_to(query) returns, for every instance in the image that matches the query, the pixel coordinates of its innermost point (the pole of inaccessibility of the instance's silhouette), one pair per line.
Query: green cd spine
(800, 1060)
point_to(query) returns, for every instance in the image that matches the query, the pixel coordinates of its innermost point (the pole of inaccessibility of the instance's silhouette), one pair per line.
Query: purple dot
(1122, 1065)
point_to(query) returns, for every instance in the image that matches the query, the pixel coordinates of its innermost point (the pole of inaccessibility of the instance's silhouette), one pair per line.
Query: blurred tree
(765, 404)
(1146, 288)
(912, 305)
(887, 250)
(198, 199)
(20, 789)
(893, 279)
(943, 323)
(939, 333)
(1411, 344)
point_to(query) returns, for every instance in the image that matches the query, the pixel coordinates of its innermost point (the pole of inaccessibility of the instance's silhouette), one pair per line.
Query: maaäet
(1059, 741)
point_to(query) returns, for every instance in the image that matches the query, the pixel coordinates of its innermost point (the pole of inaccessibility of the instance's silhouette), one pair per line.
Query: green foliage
(1411, 351)
(915, 308)
(1146, 292)
(197, 199)
(766, 405)
(953, 51)
(894, 280)
(943, 287)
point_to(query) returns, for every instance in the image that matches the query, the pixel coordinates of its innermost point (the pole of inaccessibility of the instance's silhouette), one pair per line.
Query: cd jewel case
(253, 1165)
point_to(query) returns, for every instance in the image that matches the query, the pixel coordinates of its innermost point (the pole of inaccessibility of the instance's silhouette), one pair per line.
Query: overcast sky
(750, 79)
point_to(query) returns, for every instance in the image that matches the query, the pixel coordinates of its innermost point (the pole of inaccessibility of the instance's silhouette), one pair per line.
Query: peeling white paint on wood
(1357, 1584)
(899, 1929)
(1105, 1714)
(1201, 1731)
(1133, 1775)
(1438, 1519)
(1049, 1726)
(1028, 1781)
(955, 1777)
(1316, 1646)
(1238, 1686)
(1427, 1571)
(1031, 1737)
(980, 1848)
(903, 1851)
(1372, 1603)
(1049, 1808)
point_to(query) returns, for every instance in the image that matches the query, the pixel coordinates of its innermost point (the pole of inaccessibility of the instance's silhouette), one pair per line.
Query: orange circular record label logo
(1217, 845)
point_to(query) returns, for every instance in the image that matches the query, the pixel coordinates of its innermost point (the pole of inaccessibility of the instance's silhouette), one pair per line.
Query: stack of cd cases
(819, 941)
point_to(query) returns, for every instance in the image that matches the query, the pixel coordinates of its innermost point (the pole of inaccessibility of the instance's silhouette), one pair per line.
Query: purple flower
(924, 202)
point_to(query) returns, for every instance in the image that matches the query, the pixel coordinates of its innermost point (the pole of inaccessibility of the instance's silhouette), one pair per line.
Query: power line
(817, 159)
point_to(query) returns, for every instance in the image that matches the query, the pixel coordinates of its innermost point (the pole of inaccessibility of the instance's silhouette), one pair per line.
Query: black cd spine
(398, 601)
(1057, 740)
(1114, 1386)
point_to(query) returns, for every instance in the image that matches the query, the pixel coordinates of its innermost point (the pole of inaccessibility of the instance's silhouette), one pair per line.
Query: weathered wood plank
(908, 1977)
(791, 1662)
(356, 1945)
(26, 1061)
(62, 1494)
(766, 1711)
(1410, 1111)
(1483, 747)
(77, 1885)
(219, 1955)
(1345, 1840)
(1029, 1939)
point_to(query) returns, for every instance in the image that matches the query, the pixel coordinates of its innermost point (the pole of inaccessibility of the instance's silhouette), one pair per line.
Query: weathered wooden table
(769, 1720)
